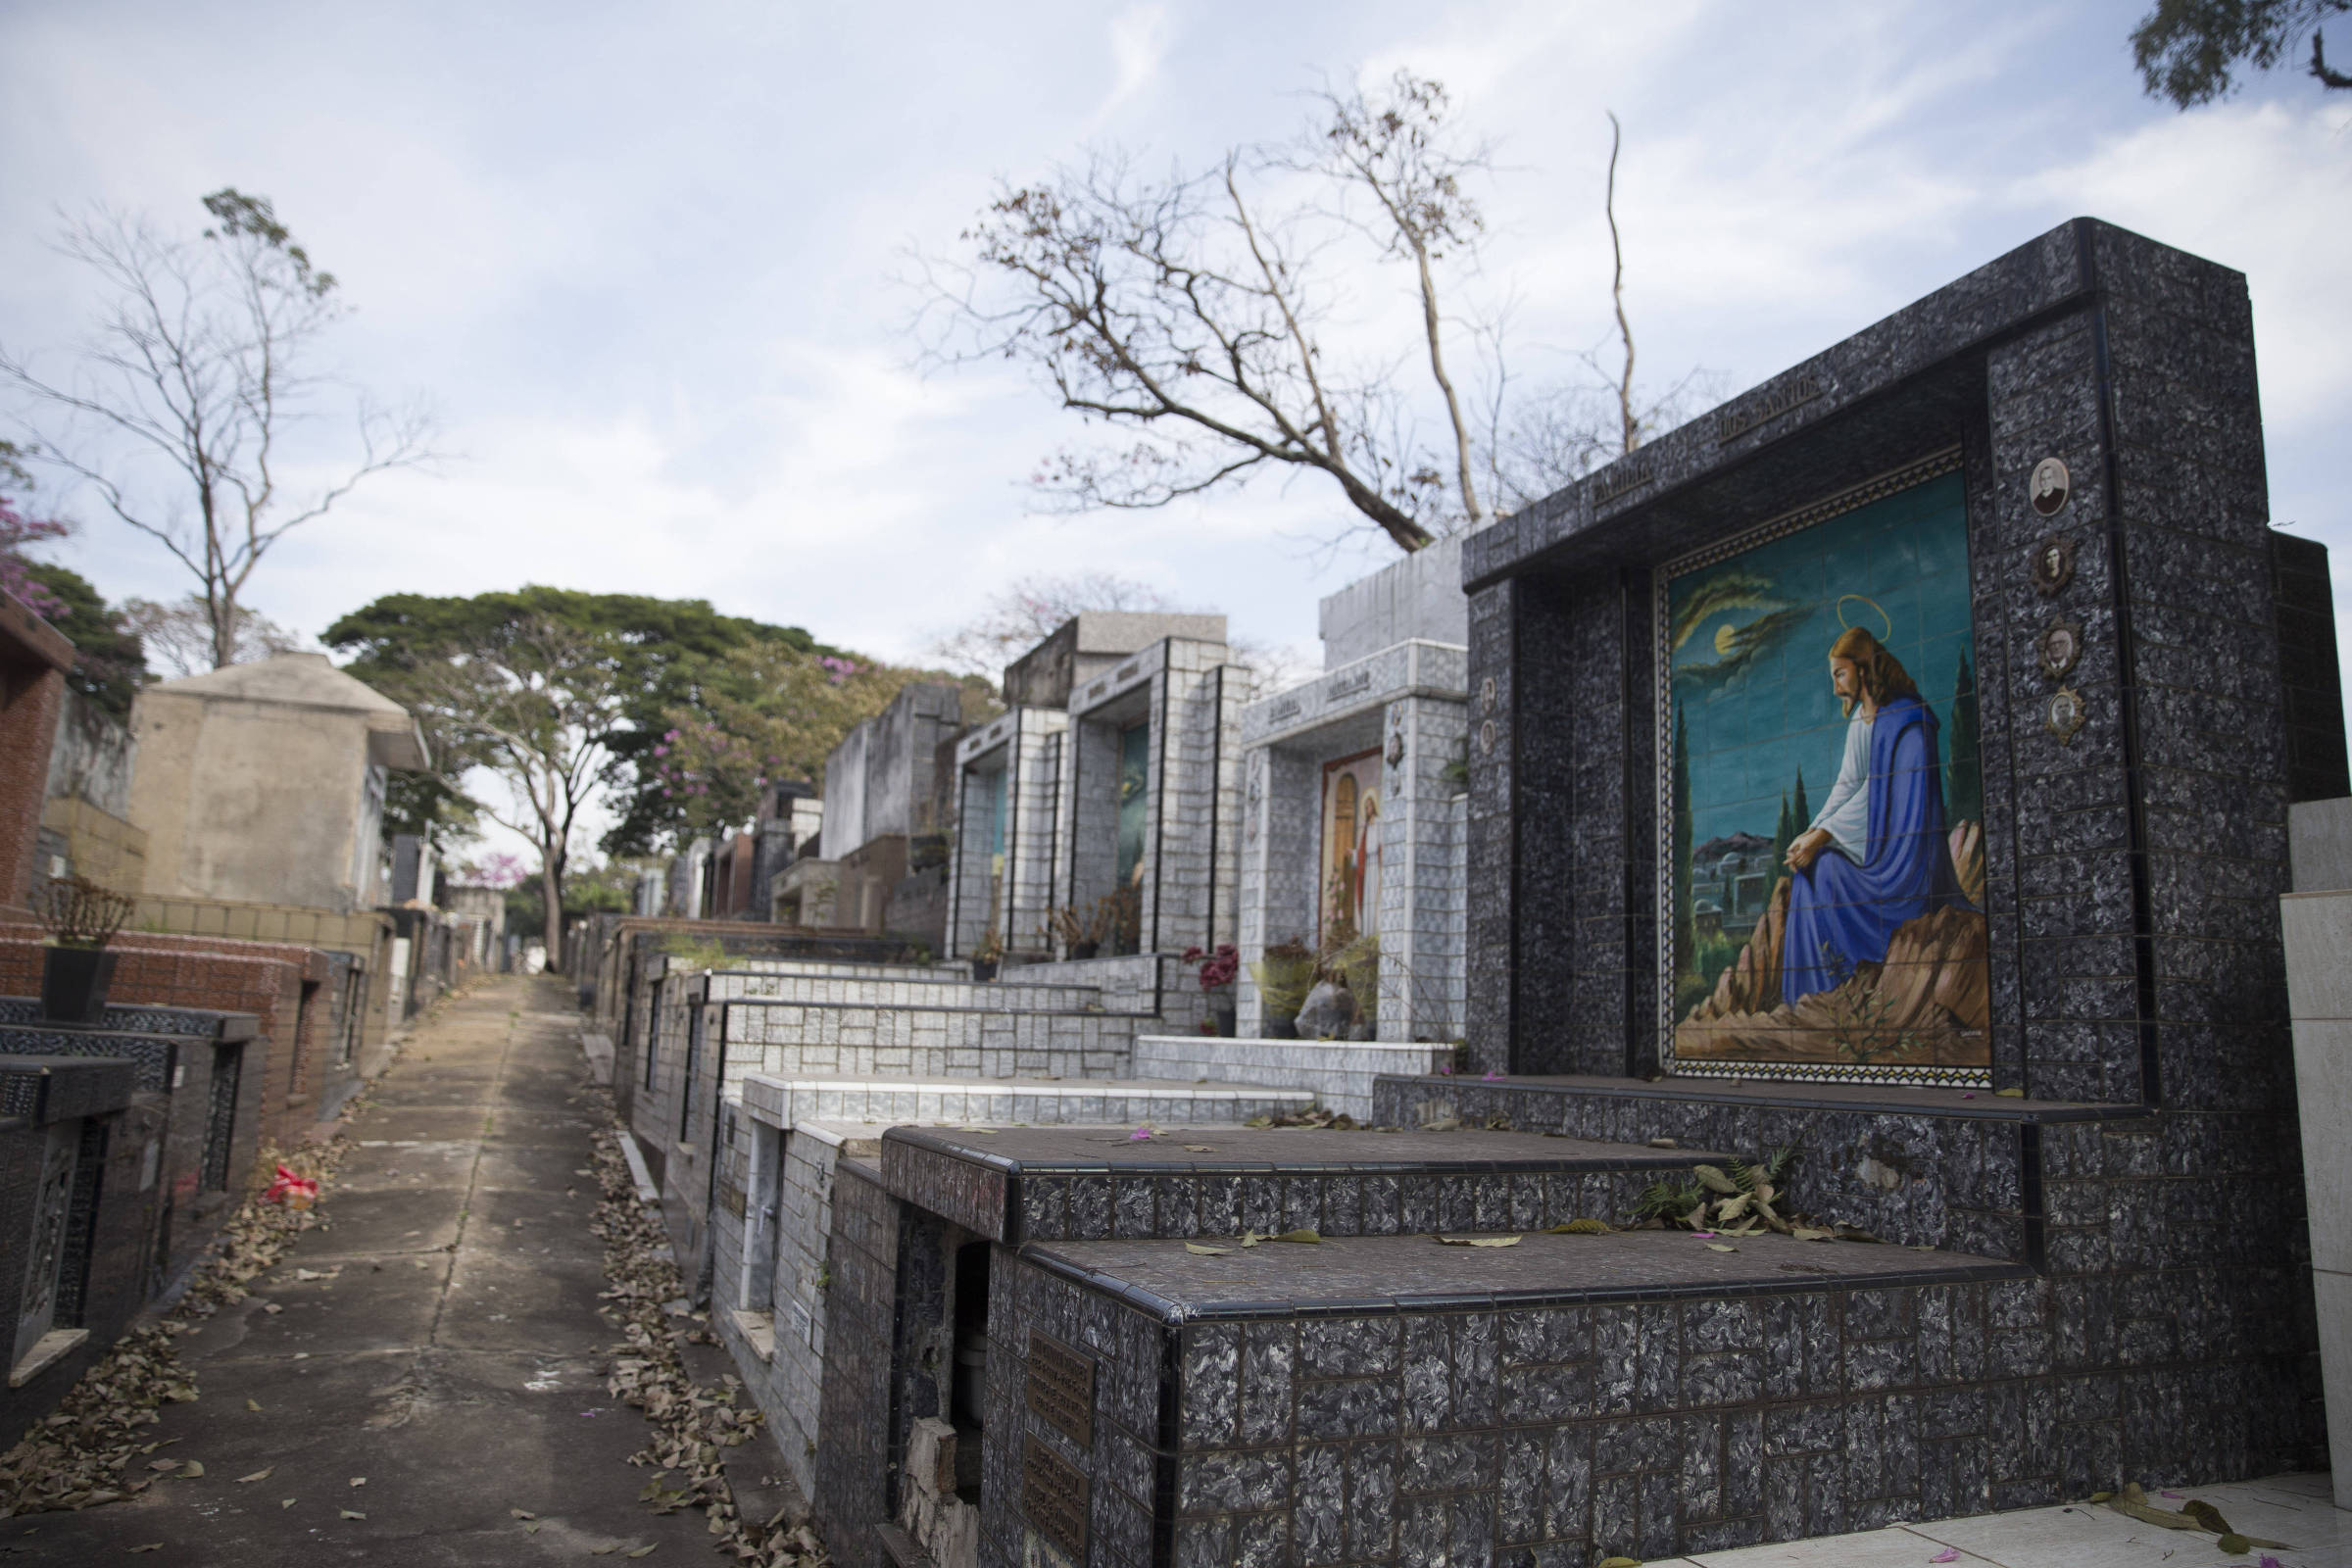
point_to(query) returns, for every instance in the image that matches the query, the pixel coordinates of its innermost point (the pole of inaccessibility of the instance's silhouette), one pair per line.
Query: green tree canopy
(665, 657)
(2185, 48)
(110, 664)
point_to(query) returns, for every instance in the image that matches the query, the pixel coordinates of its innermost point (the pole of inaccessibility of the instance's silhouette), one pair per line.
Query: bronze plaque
(1061, 1388)
(1054, 1498)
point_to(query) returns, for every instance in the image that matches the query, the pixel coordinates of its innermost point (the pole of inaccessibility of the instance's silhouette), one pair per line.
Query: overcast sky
(641, 257)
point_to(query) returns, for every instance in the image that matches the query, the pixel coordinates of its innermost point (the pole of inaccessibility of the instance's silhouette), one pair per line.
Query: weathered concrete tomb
(1892, 767)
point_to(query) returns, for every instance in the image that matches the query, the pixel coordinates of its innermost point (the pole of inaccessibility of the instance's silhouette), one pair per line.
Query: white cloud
(642, 260)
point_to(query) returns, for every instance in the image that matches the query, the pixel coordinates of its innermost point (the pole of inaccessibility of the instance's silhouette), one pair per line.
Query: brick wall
(287, 987)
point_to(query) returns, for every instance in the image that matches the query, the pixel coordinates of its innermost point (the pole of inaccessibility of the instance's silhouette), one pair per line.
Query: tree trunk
(551, 891)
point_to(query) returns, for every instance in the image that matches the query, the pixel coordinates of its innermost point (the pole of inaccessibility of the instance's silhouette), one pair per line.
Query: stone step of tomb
(1342, 1072)
(1560, 1398)
(1110, 1108)
(2033, 1180)
(1050, 1183)
(848, 988)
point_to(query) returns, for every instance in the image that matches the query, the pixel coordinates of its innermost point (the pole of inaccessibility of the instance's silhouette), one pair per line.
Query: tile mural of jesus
(1845, 942)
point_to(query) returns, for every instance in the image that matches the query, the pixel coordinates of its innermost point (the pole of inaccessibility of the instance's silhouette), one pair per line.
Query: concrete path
(452, 1355)
(2293, 1508)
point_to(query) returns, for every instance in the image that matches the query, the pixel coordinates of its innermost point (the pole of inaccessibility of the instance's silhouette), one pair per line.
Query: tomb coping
(1296, 1151)
(1904, 1099)
(1354, 1275)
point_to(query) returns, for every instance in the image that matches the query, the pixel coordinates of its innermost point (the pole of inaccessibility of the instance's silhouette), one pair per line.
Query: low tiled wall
(1340, 1073)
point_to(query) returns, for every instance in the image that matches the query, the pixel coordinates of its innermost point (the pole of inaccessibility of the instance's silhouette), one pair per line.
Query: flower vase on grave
(75, 981)
(1220, 1020)
(81, 917)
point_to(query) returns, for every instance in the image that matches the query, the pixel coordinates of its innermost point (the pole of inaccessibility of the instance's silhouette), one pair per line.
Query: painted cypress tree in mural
(1686, 929)
(1963, 781)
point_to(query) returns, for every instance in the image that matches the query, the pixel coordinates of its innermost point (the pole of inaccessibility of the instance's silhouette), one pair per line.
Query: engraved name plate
(1054, 1498)
(1061, 1388)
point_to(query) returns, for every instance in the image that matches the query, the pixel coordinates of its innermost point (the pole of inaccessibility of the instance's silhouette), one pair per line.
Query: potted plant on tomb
(989, 954)
(81, 917)
(1217, 973)
(1283, 975)
(1073, 931)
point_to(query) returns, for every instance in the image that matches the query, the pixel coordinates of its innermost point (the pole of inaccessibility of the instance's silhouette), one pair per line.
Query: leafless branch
(177, 408)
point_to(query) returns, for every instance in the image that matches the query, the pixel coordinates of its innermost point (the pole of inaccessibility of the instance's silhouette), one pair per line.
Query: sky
(649, 263)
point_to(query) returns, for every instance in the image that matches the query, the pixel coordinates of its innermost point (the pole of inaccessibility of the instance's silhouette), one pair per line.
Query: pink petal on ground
(1702, 1232)
(1141, 1134)
(2269, 1561)
(1491, 1077)
(1947, 1555)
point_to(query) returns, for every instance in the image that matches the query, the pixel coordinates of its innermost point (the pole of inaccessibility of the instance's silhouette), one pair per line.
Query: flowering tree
(16, 531)
(771, 713)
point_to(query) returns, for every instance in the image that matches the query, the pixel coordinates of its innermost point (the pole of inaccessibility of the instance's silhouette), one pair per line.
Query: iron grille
(220, 1121)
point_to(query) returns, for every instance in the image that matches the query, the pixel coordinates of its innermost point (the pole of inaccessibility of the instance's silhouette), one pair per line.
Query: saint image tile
(1350, 860)
(1823, 863)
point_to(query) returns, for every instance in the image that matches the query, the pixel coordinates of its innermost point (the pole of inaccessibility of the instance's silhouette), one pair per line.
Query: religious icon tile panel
(1822, 808)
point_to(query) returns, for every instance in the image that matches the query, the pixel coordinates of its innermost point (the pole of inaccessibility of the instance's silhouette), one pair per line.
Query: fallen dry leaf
(1206, 1252)
(1718, 1246)
(1199, 1149)
(262, 1474)
(152, 1545)
(194, 1467)
(285, 1502)
(640, 1552)
(255, 1406)
(1478, 1241)
(359, 1481)
(352, 1513)
(522, 1513)
(1304, 1237)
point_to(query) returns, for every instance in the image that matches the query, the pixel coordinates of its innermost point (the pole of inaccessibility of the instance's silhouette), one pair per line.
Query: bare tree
(1197, 313)
(1191, 312)
(1024, 612)
(181, 638)
(200, 367)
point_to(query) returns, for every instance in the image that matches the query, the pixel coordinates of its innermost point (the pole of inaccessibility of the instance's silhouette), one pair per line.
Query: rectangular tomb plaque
(1061, 1388)
(1054, 1498)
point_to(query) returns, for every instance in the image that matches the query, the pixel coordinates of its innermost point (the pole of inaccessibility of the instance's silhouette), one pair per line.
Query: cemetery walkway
(428, 1362)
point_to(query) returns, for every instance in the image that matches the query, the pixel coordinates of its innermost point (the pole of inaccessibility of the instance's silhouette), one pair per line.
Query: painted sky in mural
(1751, 664)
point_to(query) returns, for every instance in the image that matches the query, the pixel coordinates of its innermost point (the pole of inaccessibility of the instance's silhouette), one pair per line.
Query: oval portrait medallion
(2049, 487)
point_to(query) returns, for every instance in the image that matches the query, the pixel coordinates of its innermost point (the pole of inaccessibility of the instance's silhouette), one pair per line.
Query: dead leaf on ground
(255, 1406)
(263, 1474)
(359, 1481)
(285, 1502)
(1199, 1149)
(352, 1513)
(1304, 1237)
(1718, 1246)
(152, 1545)
(522, 1513)
(640, 1552)
(1478, 1241)
(194, 1467)
(1206, 1252)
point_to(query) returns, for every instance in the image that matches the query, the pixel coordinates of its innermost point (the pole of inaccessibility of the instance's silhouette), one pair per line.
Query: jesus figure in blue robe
(1875, 856)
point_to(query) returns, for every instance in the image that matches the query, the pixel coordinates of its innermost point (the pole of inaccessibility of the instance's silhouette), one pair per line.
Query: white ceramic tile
(1896, 1548)
(2092, 1536)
